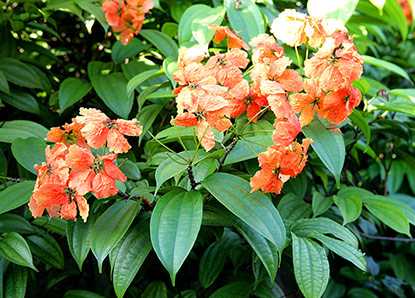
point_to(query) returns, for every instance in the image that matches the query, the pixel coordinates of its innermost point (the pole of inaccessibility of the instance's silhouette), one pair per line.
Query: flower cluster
(214, 89)
(71, 170)
(127, 16)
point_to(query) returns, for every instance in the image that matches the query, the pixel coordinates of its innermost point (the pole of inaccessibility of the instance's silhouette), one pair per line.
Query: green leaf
(237, 289)
(16, 195)
(174, 226)
(120, 52)
(10, 222)
(170, 29)
(350, 207)
(361, 293)
(110, 227)
(339, 10)
(346, 251)
(308, 227)
(328, 146)
(16, 282)
(23, 129)
(359, 121)
(45, 248)
(407, 93)
(53, 224)
(4, 85)
(140, 78)
(255, 209)
(378, 3)
(402, 107)
(130, 169)
(81, 294)
(155, 289)
(311, 267)
(394, 10)
(170, 66)
(246, 20)
(389, 214)
(292, 208)
(3, 164)
(112, 90)
(15, 249)
(185, 25)
(362, 85)
(166, 45)
(78, 233)
(94, 9)
(64, 5)
(19, 73)
(200, 24)
(320, 203)
(147, 115)
(21, 100)
(72, 90)
(130, 256)
(29, 152)
(386, 65)
(211, 264)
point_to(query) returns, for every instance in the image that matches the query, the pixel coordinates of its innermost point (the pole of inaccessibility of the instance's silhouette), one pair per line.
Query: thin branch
(146, 204)
(387, 238)
(191, 177)
(387, 170)
(13, 179)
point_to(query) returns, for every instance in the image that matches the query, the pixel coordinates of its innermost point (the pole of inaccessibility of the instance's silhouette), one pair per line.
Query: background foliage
(57, 56)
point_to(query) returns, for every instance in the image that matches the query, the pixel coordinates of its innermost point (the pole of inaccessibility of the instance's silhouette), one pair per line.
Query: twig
(13, 179)
(227, 151)
(387, 170)
(191, 177)
(387, 238)
(146, 204)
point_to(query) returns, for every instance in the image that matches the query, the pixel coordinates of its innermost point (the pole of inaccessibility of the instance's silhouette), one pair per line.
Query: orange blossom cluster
(71, 170)
(126, 17)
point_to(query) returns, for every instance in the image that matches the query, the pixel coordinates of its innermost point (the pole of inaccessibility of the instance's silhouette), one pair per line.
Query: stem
(166, 147)
(198, 146)
(249, 147)
(387, 170)
(255, 131)
(249, 121)
(123, 162)
(227, 151)
(191, 177)
(180, 140)
(13, 179)
(299, 61)
(253, 142)
(146, 204)
(387, 238)
(180, 163)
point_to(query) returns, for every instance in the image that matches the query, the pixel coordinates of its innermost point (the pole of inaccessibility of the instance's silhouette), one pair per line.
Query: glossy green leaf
(255, 209)
(389, 214)
(140, 78)
(81, 294)
(185, 25)
(407, 93)
(174, 226)
(23, 129)
(170, 29)
(200, 24)
(29, 152)
(340, 10)
(4, 85)
(378, 3)
(310, 226)
(130, 169)
(110, 227)
(320, 203)
(404, 207)
(112, 90)
(120, 52)
(16, 195)
(45, 248)
(64, 5)
(155, 289)
(53, 224)
(211, 264)
(72, 90)
(19, 73)
(329, 146)
(166, 45)
(15, 249)
(350, 207)
(361, 122)
(21, 100)
(130, 256)
(10, 222)
(311, 267)
(292, 208)
(247, 20)
(346, 251)
(402, 107)
(3, 164)
(362, 85)
(361, 293)
(16, 282)
(170, 66)
(386, 65)
(237, 289)
(78, 233)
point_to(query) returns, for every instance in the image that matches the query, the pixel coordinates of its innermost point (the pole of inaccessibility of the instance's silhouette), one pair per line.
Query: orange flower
(130, 24)
(55, 169)
(234, 40)
(339, 104)
(305, 103)
(58, 199)
(93, 174)
(294, 29)
(99, 129)
(406, 9)
(285, 132)
(278, 165)
(266, 50)
(206, 112)
(226, 67)
(69, 134)
(113, 11)
(335, 67)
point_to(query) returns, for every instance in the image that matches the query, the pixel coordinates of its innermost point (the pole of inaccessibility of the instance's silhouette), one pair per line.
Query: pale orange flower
(340, 104)
(99, 129)
(67, 134)
(113, 11)
(55, 169)
(234, 40)
(266, 50)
